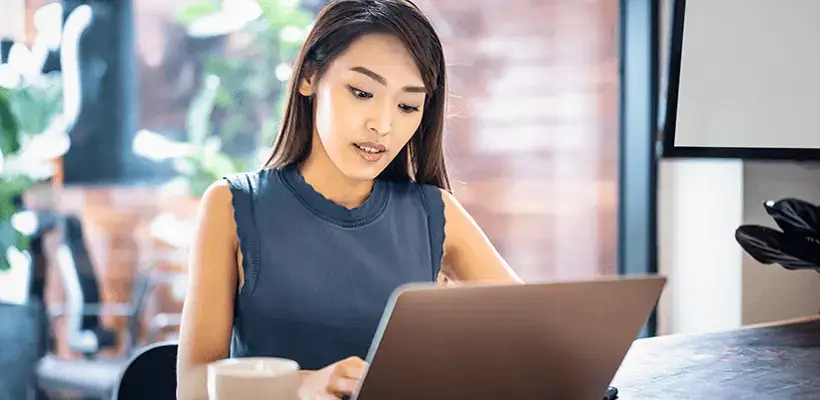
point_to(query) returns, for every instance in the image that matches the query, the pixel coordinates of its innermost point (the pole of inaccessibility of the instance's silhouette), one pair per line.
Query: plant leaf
(10, 130)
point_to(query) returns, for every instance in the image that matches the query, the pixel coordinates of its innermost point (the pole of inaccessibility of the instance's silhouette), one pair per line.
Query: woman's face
(367, 105)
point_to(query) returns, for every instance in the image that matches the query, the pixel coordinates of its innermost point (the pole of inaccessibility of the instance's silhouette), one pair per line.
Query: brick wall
(533, 139)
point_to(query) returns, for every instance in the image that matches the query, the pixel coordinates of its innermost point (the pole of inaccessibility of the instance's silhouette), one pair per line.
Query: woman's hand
(334, 382)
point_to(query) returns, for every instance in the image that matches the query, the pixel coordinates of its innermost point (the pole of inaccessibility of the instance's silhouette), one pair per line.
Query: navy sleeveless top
(318, 275)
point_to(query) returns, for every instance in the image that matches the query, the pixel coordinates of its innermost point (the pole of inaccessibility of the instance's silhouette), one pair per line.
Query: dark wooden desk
(773, 361)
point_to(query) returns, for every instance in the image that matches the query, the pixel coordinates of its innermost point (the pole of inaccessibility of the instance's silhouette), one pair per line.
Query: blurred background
(116, 115)
(139, 105)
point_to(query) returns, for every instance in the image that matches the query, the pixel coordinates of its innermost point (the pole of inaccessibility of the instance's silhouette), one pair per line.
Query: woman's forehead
(385, 55)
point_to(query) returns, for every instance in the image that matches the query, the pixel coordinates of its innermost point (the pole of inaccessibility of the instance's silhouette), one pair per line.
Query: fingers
(342, 386)
(353, 367)
(347, 376)
(325, 396)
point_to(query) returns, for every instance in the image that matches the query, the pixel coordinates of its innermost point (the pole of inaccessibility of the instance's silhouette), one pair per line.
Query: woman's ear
(306, 85)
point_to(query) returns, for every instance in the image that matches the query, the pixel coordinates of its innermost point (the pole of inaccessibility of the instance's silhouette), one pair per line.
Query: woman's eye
(361, 94)
(408, 109)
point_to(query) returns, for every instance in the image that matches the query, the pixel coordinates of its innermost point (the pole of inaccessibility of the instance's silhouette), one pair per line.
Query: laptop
(563, 340)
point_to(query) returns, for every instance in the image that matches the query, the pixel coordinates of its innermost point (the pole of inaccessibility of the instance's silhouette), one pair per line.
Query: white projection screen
(743, 80)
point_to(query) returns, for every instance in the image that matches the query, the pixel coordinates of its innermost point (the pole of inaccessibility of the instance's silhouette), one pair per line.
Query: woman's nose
(380, 120)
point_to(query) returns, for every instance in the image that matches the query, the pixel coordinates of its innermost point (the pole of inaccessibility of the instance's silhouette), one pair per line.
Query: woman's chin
(358, 168)
(360, 172)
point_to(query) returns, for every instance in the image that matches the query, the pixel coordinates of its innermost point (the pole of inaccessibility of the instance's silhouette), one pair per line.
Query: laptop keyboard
(611, 394)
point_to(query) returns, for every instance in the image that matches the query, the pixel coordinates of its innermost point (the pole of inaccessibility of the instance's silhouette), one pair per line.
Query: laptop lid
(531, 341)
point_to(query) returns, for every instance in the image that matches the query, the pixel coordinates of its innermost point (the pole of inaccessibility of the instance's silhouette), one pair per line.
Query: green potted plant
(32, 136)
(11, 188)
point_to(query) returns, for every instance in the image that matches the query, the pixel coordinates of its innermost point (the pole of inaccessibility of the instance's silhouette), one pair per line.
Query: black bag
(797, 246)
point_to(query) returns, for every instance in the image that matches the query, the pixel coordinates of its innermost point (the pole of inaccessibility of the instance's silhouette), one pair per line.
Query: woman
(298, 260)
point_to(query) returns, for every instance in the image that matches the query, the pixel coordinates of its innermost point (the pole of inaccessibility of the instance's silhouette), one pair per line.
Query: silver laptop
(561, 340)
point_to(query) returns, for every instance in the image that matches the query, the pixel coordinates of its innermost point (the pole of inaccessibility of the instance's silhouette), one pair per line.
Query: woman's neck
(321, 174)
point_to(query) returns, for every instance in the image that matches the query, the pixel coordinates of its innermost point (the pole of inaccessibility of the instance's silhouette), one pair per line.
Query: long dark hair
(338, 25)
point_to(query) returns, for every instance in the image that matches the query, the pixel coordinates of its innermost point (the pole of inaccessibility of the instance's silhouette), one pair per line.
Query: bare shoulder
(456, 216)
(216, 209)
(468, 253)
(448, 199)
(459, 225)
(446, 195)
(217, 196)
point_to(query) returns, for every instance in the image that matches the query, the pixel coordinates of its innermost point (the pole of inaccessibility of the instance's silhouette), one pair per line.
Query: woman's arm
(207, 316)
(468, 253)
(213, 276)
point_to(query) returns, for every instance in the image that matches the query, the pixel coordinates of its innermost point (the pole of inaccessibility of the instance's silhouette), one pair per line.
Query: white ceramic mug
(253, 378)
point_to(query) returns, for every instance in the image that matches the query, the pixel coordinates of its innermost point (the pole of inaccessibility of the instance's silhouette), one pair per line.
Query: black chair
(151, 374)
(91, 376)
